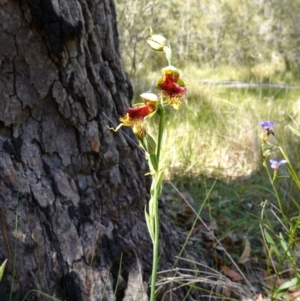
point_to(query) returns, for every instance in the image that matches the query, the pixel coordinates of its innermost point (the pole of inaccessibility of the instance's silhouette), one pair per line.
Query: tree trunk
(72, 192)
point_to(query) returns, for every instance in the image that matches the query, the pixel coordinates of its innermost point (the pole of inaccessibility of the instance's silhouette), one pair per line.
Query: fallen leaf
(259, 297)
(232, 274)
(246, 253)
(226, 291)
(287, 297)
(295, 295)
(268, 279)
(200, 228)
(209, 244)
(227, 241)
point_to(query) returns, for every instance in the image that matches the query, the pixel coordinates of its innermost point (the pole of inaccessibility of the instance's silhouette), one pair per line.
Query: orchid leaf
(2, 268)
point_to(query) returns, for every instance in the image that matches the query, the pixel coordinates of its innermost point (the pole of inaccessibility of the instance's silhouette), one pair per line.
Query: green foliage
(283, 250)
(256, 34)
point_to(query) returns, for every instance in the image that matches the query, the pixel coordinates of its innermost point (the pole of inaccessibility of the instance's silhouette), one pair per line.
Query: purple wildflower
(275, 164)
(267, 125)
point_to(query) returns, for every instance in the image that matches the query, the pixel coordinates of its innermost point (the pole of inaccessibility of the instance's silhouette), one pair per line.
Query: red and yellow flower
(135, 116)
(171, 87)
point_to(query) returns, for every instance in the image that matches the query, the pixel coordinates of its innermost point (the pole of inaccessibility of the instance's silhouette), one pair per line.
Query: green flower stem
(157, 191)
(272, 179)
(155, 246)
(161, 113)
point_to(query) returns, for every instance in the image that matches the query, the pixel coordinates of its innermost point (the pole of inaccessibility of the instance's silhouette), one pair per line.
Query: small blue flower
(266, 125)
(275, 164)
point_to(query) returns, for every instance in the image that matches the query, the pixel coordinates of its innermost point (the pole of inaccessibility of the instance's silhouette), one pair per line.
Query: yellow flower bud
(157, 42)
(149, 96)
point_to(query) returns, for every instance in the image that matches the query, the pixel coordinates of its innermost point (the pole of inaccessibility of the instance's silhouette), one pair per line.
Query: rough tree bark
(76, 189)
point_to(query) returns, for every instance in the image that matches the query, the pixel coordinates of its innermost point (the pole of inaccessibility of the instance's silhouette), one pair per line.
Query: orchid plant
(170, 91)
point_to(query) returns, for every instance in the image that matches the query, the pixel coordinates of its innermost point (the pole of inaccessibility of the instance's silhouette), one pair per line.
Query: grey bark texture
(76, 189)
